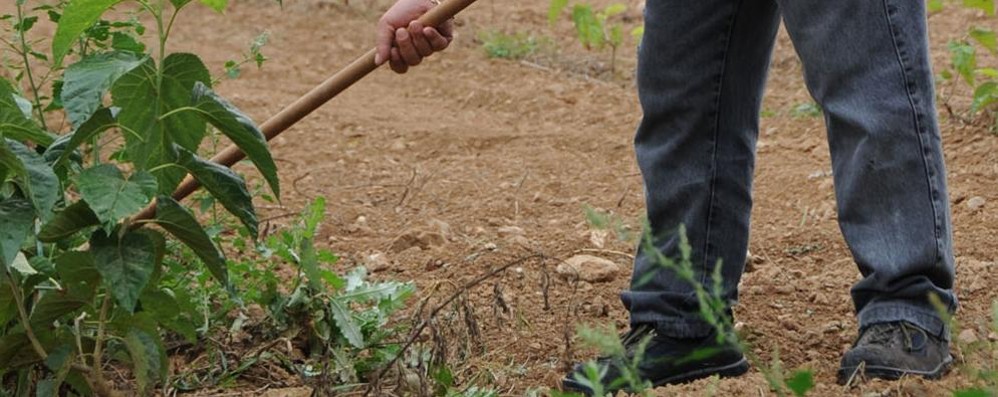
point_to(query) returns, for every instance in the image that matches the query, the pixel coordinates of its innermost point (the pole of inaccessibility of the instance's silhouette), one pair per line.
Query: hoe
(308, 103)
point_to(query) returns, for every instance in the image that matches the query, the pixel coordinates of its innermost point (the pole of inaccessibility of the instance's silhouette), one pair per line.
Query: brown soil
(442, 158)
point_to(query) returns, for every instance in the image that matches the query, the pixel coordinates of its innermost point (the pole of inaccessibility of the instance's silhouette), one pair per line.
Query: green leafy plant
(82, 281)
(595, 28)
(712, 309)
(964, 61)
(508, 46)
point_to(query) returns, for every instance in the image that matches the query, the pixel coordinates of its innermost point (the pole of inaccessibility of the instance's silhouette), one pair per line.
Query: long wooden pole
(308, 103)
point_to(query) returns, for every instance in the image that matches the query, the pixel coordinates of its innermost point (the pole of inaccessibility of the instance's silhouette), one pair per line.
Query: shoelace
(885, 333)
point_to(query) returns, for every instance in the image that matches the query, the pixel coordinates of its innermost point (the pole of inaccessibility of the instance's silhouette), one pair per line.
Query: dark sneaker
(892, 350)
(665, 360)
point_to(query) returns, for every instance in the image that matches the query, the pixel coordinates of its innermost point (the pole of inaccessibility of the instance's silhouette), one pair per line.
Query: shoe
(892, 350)
(665, 360)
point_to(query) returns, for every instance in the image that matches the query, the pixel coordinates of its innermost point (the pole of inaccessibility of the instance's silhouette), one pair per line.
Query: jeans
(701, 71)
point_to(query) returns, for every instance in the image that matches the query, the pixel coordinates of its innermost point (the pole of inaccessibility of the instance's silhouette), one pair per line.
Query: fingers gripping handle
(311, 101)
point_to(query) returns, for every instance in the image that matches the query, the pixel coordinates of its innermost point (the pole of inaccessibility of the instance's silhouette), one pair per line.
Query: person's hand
(403, 41)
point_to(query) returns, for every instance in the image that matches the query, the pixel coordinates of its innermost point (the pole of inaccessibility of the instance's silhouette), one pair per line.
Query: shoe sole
(724, 371)
(892, 373)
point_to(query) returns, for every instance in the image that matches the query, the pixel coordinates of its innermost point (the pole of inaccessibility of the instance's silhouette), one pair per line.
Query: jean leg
(701, 73)
(867, 64)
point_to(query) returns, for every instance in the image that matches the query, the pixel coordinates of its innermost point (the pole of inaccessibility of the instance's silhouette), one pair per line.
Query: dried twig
(414, 335)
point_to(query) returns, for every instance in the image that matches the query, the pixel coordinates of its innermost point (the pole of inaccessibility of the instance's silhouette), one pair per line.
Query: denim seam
(717, 128)
(933, 191)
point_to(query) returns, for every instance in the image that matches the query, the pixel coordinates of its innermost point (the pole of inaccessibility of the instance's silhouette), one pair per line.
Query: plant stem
(99, 339)
(23, 316)
(27, 67)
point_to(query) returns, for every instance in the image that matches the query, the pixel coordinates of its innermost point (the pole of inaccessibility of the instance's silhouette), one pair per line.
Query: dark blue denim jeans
(702, 67)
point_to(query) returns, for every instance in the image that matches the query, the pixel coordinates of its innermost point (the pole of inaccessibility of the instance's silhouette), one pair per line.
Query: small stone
(520, 241)
(490, 246)
(536, 346)
(993, 336)
(975, 203)
(417, 238)
(967, 336)
(376, 261)
(588, 268)
(598, 238)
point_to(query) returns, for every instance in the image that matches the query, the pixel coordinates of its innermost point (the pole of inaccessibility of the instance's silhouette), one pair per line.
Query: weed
(982, 80)
(809, 109)
(713, 310)
(508, 46)
(595, 28)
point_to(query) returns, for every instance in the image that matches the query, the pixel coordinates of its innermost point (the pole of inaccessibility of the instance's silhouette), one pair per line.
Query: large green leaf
(145, 100)
(146, 358)
(78, 16)
(78, 274)
(225, 185)
(14, 123)
(113, 197)
(53, 305)
(70, 220)
(555, 9)
(33, 175)
(16, 219)
(126, 264)
(240, 129)
(180, 222)
(87, 81)
(99, 122)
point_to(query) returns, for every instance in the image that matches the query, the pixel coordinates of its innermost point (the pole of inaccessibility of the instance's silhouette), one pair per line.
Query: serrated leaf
(988, 6)
(111, 195)
(125, 264)
(964, 59)
(70, 220)
(985, 95)
(240, 129)
(86, 82)
(16, 219)
(14, 122)
(986, 37)
(345, 322)
(801, 382)
(614, 10)
(78, 16)
(217, 5)
(78, 273)
(555, 9)
(145, 356)
(144, 101)
(53, 305)
(180, 222)
(33, 175)
(100, 121)
(225, 185)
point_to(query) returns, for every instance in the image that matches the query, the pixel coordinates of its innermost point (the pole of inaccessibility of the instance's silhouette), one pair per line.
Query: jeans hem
(927, 319)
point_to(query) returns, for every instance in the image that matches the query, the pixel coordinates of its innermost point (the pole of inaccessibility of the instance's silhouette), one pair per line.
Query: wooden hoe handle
(305, 105)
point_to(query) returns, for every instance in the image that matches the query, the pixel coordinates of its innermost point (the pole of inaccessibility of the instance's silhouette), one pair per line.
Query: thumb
(385, 37)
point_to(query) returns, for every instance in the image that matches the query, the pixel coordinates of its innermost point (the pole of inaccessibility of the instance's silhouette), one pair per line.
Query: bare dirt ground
(467, 163)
